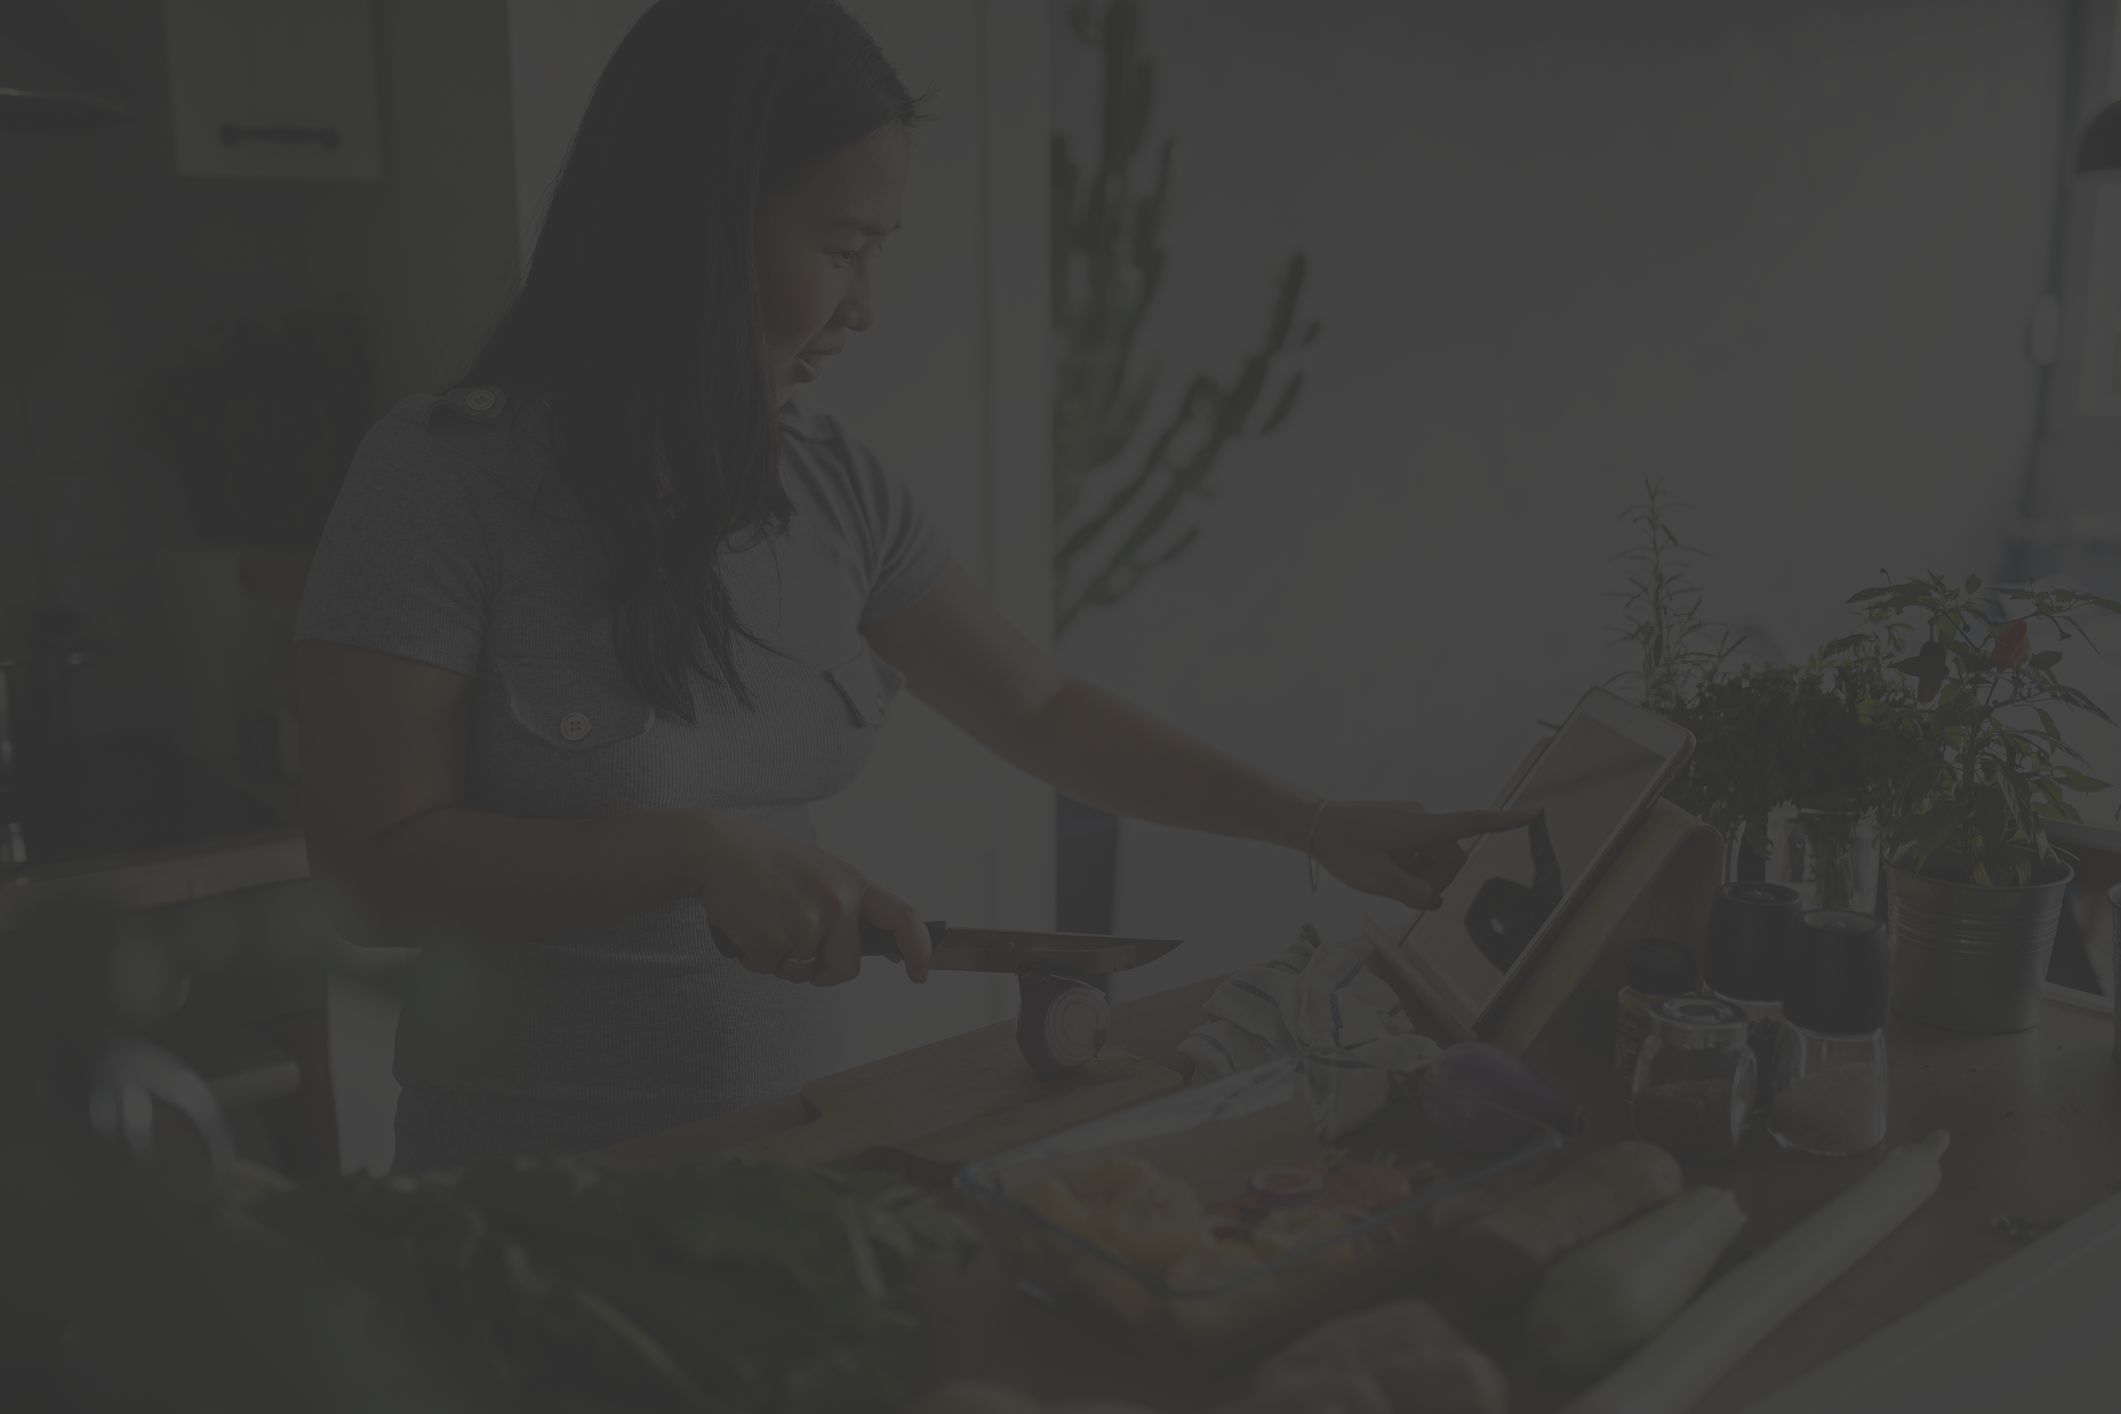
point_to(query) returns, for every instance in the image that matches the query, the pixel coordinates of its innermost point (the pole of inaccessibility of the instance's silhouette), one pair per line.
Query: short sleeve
(403, 567)
(907, 554)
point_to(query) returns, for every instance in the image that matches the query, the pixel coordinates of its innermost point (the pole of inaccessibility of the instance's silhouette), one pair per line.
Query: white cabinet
(274, 88)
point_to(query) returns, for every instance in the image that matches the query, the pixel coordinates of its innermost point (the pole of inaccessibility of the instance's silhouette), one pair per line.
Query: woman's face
(817, 240)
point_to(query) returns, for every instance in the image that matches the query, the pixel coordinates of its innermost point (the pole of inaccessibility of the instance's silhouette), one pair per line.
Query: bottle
(1696, 1079)
(1831, 1090)
(1658, 968)
(1750, 927)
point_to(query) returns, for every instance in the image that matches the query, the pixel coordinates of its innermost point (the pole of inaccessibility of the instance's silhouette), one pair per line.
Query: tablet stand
(1660, 884)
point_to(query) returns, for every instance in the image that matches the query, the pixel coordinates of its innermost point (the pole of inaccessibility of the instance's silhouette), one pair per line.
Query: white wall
(429, 256)
(2074, 505)
(1780, 254)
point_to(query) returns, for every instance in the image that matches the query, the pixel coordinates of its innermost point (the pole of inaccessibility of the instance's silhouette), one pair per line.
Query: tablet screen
(1585, 784)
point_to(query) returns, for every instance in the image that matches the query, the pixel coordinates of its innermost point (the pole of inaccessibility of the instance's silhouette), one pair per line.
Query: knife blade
(1009, 950)
(1015, 950)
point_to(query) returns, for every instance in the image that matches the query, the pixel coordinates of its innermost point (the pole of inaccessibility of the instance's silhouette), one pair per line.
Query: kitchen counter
(2035, 1121)
(157, 878)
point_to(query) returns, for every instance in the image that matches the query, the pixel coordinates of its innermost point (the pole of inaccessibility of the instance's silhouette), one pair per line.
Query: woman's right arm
(400, 860)
(398, 857)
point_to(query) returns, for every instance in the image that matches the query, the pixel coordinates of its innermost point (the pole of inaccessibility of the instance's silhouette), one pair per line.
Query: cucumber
(1610, 1295)
(1723, 1324)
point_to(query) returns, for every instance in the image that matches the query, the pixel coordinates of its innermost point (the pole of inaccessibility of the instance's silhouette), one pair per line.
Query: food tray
(1216, 1138)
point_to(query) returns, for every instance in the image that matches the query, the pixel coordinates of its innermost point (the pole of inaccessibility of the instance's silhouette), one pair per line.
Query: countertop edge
(161, 878)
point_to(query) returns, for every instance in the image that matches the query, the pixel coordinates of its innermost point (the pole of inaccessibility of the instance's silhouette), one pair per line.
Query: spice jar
(1750, 927)
(1695, 1080)
(1831, 1092)
(1657, 968)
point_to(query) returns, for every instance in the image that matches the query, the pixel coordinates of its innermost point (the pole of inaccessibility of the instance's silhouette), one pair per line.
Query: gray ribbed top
(452, 544)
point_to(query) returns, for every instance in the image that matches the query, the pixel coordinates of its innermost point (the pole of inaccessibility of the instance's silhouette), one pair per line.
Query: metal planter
(2113, 985)
(1969, 958)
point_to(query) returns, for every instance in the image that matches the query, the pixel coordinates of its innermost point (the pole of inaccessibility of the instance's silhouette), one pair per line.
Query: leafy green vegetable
(728, 1286)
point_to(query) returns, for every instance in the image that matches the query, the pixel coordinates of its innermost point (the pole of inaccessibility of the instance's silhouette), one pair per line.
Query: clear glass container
(1696, 1080)
(1832, 859)
(1830, 1092)
(1763, 1028)
(1658, 968)
(1746, 962)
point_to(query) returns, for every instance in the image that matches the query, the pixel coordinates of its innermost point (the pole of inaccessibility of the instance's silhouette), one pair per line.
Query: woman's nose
(855, 313)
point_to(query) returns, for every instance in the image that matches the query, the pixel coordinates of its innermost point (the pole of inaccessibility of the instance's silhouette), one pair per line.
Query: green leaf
(2026, 745)
(2079, 781)
(1927, 834)
(2078, 700)
(2041, 662)
(1929, 667)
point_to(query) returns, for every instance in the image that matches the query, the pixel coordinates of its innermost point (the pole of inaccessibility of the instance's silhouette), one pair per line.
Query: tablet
(1591, 783)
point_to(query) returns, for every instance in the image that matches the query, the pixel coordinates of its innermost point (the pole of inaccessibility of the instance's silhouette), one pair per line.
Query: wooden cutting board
(965, 1098)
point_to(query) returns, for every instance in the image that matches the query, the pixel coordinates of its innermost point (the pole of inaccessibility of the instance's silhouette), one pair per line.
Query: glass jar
(1830, 1092)
(1832, 860)
(1746, 962)
(1658, 969)
(1696, 1080)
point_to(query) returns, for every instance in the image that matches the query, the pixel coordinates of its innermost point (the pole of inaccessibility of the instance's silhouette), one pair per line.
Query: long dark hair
(639, 326)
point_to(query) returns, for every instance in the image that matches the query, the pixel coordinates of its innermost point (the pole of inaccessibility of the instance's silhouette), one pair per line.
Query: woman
(587, 635)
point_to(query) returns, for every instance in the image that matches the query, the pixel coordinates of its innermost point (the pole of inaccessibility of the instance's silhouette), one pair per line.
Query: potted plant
(1784, 758)
(1975, 885)
(1773, 741)
(1676, 651)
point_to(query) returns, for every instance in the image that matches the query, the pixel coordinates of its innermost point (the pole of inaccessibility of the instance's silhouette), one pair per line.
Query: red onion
(1479, 1096)
(1061, 1023)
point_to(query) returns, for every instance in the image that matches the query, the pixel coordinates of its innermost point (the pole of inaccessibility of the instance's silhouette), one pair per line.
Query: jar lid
(1698, 1023)
(1749, 932)
(1840, 973)
(1663, 968)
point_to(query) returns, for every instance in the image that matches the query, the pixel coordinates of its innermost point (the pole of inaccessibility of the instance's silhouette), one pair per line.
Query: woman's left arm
(965, 660)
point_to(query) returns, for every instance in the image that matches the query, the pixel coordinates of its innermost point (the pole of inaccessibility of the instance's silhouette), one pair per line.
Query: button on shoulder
(480, 403)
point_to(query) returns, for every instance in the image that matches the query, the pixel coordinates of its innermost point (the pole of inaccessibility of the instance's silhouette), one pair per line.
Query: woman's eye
(850, 257)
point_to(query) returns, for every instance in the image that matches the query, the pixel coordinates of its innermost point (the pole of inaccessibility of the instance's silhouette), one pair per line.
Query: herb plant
(1676, 651)
(1953, 674)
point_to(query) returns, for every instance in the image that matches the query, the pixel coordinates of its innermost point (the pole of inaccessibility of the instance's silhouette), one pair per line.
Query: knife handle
(877, 941)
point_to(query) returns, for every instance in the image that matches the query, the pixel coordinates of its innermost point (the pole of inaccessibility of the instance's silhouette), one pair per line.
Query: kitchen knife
(1009, 950)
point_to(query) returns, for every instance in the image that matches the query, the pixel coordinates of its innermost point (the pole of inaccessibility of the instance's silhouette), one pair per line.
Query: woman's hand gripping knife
(400, 860)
